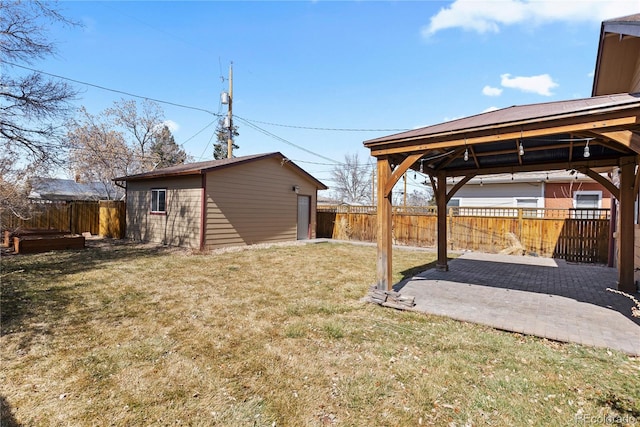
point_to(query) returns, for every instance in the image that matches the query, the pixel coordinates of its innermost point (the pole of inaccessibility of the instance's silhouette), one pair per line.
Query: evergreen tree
(164, 150)
(222, 136)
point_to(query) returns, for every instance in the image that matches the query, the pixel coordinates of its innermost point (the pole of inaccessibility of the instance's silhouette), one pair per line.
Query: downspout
(203, 209)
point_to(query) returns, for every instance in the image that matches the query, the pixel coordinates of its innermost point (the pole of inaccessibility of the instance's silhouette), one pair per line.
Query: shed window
(158, 200)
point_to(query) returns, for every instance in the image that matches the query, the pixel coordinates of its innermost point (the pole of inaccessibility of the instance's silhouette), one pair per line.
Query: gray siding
(180, 226)
(254, 203)
(499, 194)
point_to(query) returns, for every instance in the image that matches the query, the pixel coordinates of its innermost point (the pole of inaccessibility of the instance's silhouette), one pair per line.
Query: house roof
(627, 25)
(553, 135)
(200, 168)
(618, 50)
(67, 189)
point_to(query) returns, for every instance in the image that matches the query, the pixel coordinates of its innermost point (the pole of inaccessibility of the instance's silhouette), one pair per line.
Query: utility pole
(230, 114)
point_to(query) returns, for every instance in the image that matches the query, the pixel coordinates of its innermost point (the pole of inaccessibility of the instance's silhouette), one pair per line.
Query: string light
(521, 149)
(586, 150)
(466, 154)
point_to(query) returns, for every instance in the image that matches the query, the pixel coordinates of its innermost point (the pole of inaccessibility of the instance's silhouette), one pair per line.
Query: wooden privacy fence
(104, 218)
(577, 235)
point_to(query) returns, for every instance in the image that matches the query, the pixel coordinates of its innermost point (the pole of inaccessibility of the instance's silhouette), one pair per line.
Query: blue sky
(329, 64)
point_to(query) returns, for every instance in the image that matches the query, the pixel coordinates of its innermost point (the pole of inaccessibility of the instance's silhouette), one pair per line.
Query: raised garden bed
(32, 244)
(9, 235)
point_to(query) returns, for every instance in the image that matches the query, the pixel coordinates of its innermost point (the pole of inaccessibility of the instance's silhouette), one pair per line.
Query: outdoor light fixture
(296, 189)
(466, 154)
(586, 150)
(521, 149)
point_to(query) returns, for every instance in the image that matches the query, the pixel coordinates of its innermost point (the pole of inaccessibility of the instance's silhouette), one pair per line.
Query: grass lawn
(133, 335)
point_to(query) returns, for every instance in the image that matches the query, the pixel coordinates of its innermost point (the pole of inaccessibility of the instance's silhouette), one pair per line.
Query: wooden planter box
(9, 235)
(35, 244)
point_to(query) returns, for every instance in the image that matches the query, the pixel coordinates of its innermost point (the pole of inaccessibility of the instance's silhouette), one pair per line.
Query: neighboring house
(239, 201)
(553, 190)
(67, 190)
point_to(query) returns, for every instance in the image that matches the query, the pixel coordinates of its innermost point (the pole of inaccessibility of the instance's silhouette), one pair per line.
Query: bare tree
(32, 108)
(352, 181)
(98, 153)
(142, 124)
(420, 198)
(31, 104)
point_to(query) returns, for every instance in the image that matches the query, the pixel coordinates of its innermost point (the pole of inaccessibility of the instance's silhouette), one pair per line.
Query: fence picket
(576, 235)
(74, 217)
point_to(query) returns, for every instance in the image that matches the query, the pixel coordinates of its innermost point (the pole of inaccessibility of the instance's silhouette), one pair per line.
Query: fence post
(450, 226)
(520, 216)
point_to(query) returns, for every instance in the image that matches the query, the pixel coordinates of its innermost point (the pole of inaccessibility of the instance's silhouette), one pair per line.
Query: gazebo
(587, 135)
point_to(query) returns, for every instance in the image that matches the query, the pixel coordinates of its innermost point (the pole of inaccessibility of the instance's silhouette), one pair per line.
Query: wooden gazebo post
(384, 225)
(626, 281)
(441, 202)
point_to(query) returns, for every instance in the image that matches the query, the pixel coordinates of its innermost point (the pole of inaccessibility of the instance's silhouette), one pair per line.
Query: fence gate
(583, 240)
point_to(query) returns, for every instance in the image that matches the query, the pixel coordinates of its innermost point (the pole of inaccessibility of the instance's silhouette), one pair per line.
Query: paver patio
(544, 297)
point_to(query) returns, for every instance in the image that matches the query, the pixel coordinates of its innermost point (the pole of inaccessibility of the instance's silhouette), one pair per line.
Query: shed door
(304, 214)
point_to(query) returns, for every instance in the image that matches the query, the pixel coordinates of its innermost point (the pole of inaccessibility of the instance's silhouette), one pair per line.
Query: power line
(266, 132)
(175, 104)
(112, 90)
(322, 128)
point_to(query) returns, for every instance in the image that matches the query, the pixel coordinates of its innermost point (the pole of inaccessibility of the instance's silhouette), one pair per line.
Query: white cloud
(491, 91)
(489, 16)
(541, 84)
(173, 126)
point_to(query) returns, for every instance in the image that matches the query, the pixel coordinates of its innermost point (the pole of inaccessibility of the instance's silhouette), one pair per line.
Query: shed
(245, 200)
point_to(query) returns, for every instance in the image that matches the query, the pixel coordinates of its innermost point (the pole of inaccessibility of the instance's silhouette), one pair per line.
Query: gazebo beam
(624, 137)
(400, 170)
(602, 181)
(458, 186)
(535, 167)
(495, 135)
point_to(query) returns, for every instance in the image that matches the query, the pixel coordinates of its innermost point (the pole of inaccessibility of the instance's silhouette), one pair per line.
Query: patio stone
(544, 297)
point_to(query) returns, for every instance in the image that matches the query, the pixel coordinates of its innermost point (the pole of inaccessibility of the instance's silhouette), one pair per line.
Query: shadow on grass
(6, 414)
(31, 284)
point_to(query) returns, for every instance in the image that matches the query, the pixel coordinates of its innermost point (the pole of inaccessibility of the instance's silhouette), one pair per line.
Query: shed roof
(200, 168)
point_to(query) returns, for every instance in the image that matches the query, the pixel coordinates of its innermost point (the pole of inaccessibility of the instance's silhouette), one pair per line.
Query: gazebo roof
(553, 136)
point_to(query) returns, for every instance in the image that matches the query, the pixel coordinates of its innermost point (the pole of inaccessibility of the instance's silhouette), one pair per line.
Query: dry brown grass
(274, 336)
